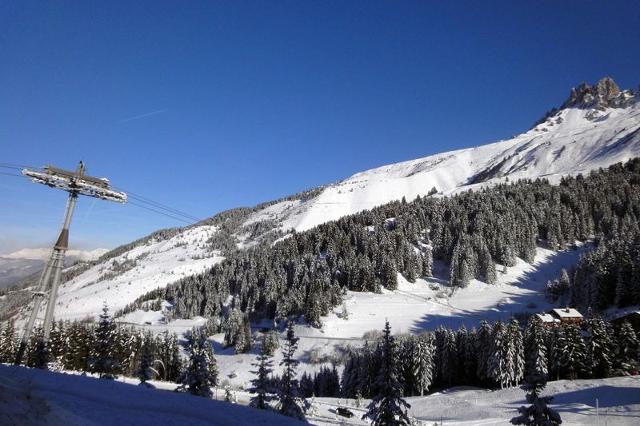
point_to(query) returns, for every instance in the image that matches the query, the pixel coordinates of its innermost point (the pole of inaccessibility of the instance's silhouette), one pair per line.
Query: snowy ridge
(570, 142)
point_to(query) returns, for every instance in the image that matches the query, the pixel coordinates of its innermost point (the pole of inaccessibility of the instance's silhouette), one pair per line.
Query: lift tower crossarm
(75, 183)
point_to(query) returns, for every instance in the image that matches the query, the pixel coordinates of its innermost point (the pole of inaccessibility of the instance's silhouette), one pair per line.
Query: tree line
(499, 355)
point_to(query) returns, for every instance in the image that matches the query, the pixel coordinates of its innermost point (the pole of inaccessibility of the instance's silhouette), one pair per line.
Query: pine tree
(233, 329)
(483, 349)
(8, 343)
(515, 353)
(387, 406)
(627, 354)
(261, 382)
(80, 342)
(289, 392)
(102, 361)
(145, 368)
(389, 274)
(271, 342)
(573, 351)
(199, 375)
(39, 358)
(600, 348)
(498, 362)
(538, 413)
(423, 362)
(535, 348)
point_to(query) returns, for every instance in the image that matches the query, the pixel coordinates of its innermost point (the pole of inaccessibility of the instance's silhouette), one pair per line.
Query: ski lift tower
(75, 183)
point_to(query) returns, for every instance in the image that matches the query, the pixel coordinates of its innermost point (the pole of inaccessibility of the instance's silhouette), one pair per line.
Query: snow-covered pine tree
(197, 378)
(483, 351)
(243, 341)
(573, 352)
(212, 364)
(145, 367)
(56, 345)
(535, 348)
(260, 383)
(389, 274)
(8, 343)
(271, 342)
(289, 399)
(515, 353)
(313, 308)
(538, 413)
(627, 353)
(102, 360)
(497, 363)
(80, 341)
(233, 328)
(600, 348)
(423, 362)
(427, 261)
(387, 407)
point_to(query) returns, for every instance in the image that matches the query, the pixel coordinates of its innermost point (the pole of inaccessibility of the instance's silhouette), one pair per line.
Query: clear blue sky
(210, 105)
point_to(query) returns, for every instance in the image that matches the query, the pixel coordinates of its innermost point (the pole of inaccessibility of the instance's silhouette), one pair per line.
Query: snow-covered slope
(36, 397)
(579, 138)
(596, 127)
(123, 278)
(612, 401)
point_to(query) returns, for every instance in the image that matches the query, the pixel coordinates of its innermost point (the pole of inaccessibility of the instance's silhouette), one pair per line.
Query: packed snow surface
(35, 397)
(617, 400)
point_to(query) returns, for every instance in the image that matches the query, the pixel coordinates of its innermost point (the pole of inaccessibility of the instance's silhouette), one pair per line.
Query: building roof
(548, 318)
(566, 313)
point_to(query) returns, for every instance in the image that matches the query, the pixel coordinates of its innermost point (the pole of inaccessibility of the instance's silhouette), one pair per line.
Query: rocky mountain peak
(604, 94)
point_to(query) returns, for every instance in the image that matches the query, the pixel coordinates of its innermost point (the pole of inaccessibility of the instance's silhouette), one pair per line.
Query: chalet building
(567, 316)
(561, 316)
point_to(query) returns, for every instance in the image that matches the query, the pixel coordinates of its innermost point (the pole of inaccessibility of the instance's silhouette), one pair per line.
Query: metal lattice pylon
(75, 183)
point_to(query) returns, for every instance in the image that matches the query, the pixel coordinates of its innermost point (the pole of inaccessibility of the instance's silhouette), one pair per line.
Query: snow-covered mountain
(597, 126)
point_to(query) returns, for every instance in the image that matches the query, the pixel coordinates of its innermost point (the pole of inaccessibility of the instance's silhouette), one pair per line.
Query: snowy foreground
(35, 397)
(618, 401)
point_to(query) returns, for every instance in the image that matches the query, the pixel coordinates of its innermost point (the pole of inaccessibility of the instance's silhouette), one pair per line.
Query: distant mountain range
(23, 263)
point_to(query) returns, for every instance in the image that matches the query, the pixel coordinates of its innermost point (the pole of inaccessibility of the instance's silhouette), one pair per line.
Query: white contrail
(136, 117)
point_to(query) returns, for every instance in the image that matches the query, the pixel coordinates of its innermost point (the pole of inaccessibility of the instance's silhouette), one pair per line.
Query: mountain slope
(579, 138)
(596, 127)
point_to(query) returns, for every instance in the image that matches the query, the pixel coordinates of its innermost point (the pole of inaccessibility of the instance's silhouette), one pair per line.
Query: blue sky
(210, 105)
